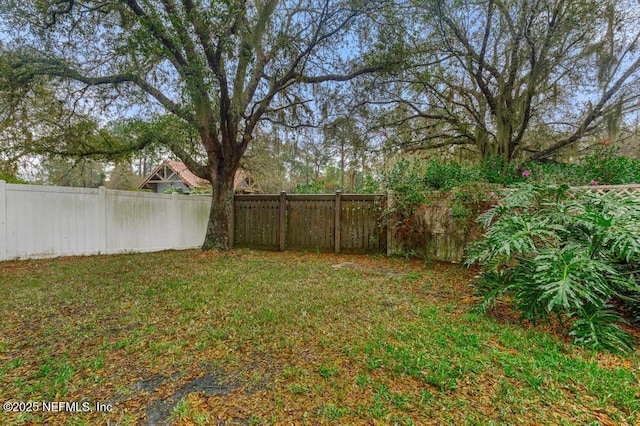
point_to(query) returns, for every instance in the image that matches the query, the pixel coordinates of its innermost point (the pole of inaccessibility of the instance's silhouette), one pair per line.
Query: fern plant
(554, 250)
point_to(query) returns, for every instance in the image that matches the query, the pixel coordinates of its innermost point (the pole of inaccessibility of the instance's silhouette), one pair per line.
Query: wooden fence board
(255, 222)
(308, 222)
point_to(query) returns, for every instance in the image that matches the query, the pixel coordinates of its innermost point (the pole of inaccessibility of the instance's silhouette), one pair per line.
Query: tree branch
(595, 113)
(55, 68)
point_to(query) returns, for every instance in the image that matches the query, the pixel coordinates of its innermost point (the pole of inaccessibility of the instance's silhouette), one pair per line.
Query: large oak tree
(487, 74)
(218, 66)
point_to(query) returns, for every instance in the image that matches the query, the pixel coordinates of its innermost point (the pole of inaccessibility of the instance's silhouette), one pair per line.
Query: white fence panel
(138, 222)
(3, 220)
(41, 221)
(50, 221)
(192, 213)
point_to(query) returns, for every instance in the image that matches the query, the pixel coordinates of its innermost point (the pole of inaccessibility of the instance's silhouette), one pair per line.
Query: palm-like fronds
(597, 328)
(561, 251)
(569, 278)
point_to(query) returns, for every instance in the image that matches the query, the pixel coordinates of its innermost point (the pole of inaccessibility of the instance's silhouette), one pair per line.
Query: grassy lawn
(269, 338)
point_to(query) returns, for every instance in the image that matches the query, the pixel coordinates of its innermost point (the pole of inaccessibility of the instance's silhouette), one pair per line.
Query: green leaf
(569, 278)
(598, 329)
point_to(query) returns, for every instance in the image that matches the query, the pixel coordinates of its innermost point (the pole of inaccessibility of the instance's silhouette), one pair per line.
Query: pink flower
(526, 173)
(633, 183)
(594, 182)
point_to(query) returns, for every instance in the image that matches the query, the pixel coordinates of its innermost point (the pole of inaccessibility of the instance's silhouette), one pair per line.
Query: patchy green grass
(287, 338)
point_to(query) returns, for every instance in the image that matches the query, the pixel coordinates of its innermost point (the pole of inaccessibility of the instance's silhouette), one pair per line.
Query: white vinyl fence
(45, 221)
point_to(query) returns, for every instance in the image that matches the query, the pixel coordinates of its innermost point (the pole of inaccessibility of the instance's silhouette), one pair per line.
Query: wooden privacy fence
(339, 223)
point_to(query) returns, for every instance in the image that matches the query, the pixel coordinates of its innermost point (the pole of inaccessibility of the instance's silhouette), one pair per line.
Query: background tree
(84, 173)
(485, 75)
(219, 67)
(350, 150)
(123, 178)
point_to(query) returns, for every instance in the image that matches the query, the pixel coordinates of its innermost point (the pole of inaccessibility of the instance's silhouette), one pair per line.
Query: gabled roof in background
(169, 169)
(166, 171)
(187, 175)
(243, 182)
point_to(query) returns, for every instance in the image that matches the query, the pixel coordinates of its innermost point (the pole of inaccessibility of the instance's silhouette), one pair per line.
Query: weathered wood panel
(436, 233)
(360, 225)
(256, 221)
(310, 222)
(307, 224)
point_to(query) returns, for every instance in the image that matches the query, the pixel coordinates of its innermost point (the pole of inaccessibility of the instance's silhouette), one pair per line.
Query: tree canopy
(487, 75)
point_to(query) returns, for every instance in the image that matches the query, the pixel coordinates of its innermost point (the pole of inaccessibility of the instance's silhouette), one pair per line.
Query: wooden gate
(341, 222)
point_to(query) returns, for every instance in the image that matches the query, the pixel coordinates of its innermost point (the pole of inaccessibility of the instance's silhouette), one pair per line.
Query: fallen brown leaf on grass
(287, 339)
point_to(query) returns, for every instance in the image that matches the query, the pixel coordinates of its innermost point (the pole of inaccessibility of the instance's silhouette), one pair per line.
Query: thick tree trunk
(218, 236)
(504, 130)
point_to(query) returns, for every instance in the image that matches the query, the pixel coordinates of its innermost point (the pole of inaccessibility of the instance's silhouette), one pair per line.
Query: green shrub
(569, 253)
(173, 189)
(10, 178)
(417, 176)
(406, 181)
(493, 170)
(469, 201)
(367, 185)
(444, 175)
(317, 186)
(604, 167)
(554, 173)
(607, 168)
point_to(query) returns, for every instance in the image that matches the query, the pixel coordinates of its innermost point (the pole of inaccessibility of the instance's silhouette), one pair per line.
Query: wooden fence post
(232, 222)
(283, 222)
(336, 222)
(390, 218)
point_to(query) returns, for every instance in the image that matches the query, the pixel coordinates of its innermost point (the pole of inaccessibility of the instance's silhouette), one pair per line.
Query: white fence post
(3, 220)
(102, 220)
(175, 222)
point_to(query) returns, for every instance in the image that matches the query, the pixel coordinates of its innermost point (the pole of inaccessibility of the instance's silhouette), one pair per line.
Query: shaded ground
(288, 338)
(160, 410)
